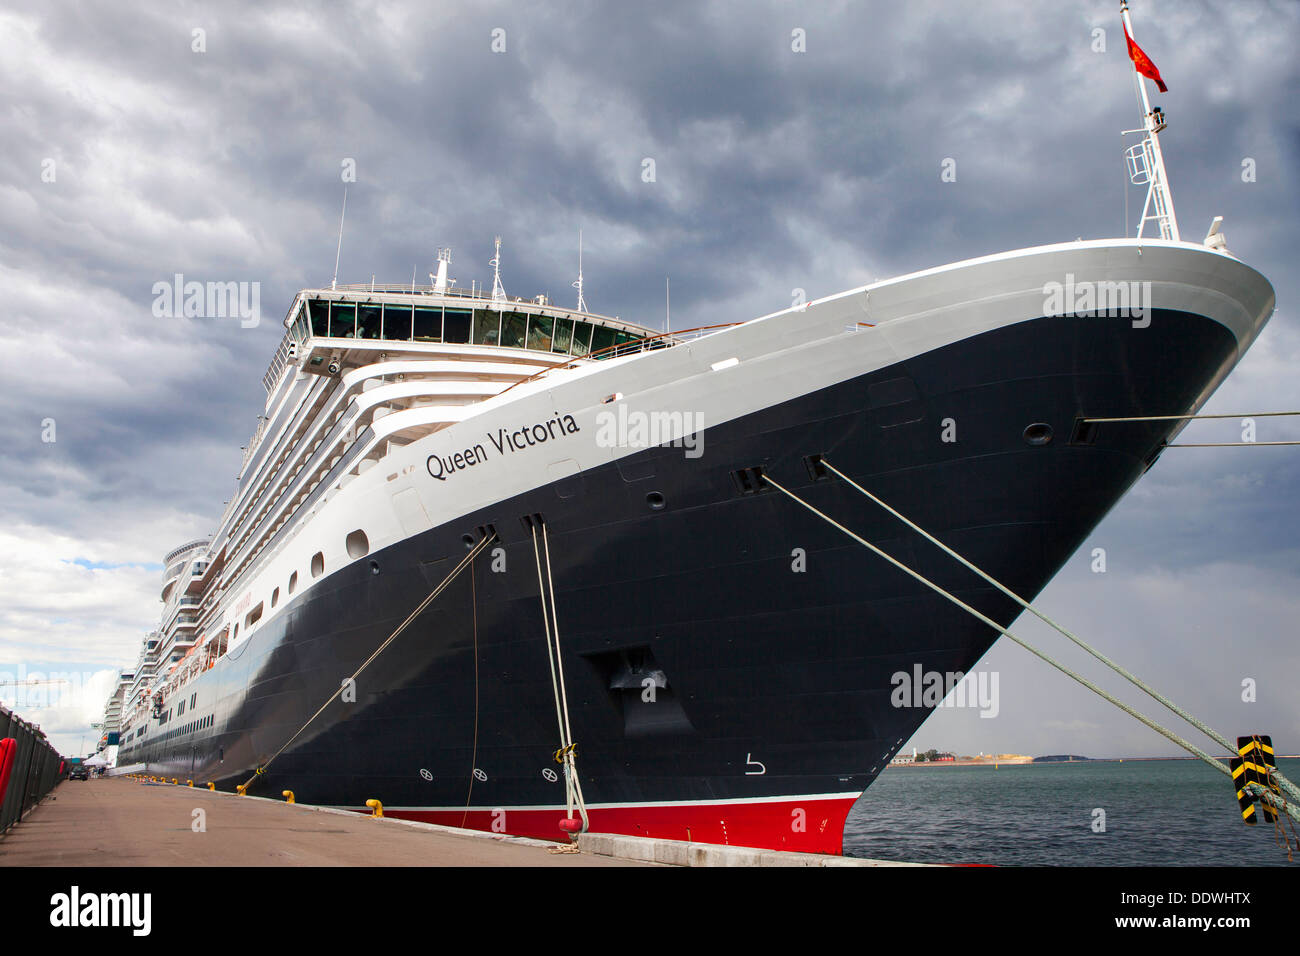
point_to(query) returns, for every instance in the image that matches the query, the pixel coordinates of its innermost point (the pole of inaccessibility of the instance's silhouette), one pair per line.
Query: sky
(795, 146)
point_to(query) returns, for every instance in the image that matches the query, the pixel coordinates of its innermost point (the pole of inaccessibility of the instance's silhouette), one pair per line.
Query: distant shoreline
(1049, 763)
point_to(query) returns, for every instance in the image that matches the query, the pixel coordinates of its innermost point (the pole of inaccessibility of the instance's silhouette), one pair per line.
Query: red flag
(1142, 63)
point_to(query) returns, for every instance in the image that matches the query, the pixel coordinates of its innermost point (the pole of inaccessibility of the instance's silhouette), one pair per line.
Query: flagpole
(1159, 191)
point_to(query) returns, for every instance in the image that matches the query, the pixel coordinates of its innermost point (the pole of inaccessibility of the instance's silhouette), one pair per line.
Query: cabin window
(487, 327)
(539, 332)
(369, 324)
(397, 322)
(343, 320)
(275, 597)
(293, 582)
(317, 564)
(253, 616)
(358, 544)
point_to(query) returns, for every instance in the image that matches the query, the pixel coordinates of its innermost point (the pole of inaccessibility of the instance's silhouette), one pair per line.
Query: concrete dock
(115, 821)
(119, 821)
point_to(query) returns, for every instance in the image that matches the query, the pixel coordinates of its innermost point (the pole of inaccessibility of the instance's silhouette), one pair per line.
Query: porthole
(293, 582)
(374, 567)
(655, 500)
(1038, 434)
(358, 544)
(317, 564)
(469, 541)
(275, 597)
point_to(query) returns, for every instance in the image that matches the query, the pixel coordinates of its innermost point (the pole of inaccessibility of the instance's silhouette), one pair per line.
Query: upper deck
(324, 323)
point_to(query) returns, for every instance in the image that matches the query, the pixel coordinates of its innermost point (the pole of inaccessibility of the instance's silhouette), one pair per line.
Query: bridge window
(563, 337)
(539, 332)
(368, 322)
(343, 320)
(513, 328)
(319, 311)
(581, 338)
(397, 322)
(428, 325)
(487, 327)
(602, 338)
(455, 325)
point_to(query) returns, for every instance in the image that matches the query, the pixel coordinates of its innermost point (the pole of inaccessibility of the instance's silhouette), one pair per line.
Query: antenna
(1146, 163)
(335, 281)
(667, 307)
(498, 291)
(582, 303)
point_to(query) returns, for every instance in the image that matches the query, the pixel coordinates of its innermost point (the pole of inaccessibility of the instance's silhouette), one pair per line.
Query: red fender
(8, 747)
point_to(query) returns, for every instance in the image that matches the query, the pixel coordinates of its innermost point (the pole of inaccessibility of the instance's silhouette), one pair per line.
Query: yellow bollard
(211, 785)
(241, 788)
(377, 807)
(174, 781)
(189, 783)
(288, 796)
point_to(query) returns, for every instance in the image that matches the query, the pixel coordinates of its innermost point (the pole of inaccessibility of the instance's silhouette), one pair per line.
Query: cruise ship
(523, 568)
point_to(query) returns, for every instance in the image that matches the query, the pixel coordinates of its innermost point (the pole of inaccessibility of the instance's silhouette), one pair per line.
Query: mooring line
(1171, 418)
(1113, 665)
(1191, 748)
(1227, 444)
(1207, 444)
(566, 754)
(474, 553)
(473, 760)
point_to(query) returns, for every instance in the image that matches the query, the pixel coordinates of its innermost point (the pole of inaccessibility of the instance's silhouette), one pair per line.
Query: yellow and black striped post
(1254, 764)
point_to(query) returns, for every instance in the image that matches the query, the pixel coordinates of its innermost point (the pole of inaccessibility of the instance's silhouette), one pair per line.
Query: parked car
(79, 771)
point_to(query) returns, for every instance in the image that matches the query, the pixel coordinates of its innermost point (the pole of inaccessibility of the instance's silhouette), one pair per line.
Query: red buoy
(571, 825)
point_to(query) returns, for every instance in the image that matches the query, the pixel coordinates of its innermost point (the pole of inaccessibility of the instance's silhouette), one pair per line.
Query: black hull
(764, 665)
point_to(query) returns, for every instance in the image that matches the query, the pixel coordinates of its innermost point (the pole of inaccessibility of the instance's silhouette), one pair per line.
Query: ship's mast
(498, 290)
(1146, 163)
(582, 303)
(440, 280)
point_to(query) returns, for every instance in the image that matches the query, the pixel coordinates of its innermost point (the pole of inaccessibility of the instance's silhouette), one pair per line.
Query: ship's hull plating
(776, 636)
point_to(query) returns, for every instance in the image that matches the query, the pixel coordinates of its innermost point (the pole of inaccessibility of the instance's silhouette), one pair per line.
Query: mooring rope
(566, 755)
(1171, 418)
(473, 760)
(1191, 748)
(1207, 444)
(1117, 668)
(474, 553)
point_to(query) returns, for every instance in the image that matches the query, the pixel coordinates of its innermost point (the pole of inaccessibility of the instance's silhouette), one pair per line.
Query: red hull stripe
(807, 825)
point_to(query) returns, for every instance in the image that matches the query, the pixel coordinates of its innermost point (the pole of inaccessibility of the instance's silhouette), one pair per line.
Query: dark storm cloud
(775, 171)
